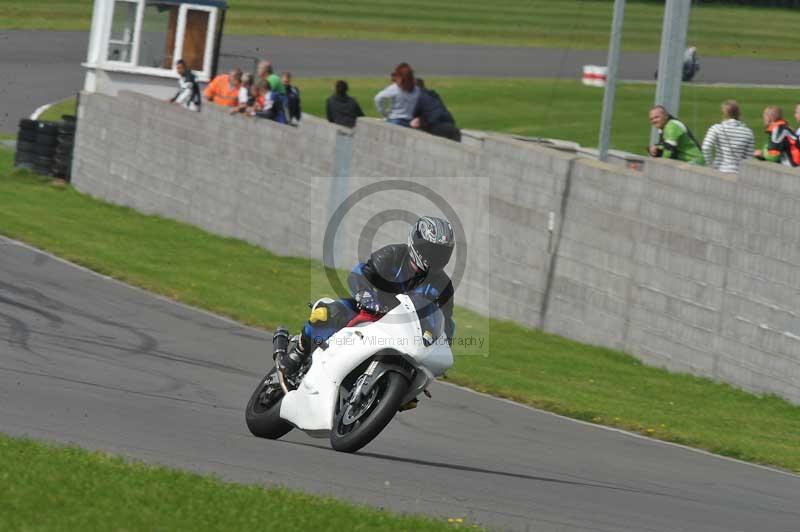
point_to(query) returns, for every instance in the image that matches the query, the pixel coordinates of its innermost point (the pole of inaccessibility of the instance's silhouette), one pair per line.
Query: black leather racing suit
(387, 272)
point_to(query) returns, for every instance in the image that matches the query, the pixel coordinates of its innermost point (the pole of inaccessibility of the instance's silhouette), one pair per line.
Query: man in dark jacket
(292, 98)
(341, 108)
(432, 116)
(415, 268)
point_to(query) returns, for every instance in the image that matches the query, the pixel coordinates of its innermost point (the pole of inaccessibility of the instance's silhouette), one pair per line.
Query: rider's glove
(367, 301)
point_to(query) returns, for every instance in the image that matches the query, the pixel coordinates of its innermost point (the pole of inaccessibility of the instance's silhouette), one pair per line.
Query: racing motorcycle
(354, 383)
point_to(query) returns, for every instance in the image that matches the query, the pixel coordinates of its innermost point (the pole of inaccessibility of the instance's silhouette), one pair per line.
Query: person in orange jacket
(782, 146)
(224, 89)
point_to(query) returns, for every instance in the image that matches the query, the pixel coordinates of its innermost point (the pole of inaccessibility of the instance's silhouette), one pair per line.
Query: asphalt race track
(37, 67)
(93, 362)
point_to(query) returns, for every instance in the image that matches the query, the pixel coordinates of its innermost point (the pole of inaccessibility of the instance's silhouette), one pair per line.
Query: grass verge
(256, 287)
(563, 109)
(56, 111)
(46, 487)
(585, 24)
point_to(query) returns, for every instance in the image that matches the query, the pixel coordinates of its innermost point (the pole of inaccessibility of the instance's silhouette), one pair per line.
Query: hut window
(123, 26)
(157, 42)
(194, 38)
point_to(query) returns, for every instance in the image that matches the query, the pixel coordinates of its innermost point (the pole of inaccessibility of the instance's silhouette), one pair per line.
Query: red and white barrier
(594, 75)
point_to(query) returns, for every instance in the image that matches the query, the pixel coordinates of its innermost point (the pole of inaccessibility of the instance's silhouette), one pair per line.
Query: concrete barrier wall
(226, 174)
(684, 267)
(505, 217)
(687, 268)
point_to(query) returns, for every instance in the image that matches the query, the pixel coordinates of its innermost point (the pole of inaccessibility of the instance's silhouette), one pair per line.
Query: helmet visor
(435, 256)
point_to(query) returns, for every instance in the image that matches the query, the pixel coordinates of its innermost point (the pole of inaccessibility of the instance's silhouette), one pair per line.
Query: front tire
(263, 412)
(349, 436)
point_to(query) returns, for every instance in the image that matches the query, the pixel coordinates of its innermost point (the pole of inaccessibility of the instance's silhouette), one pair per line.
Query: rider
(413, 268)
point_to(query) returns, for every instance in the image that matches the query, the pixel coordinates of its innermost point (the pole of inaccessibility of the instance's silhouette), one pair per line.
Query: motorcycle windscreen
(431, 319)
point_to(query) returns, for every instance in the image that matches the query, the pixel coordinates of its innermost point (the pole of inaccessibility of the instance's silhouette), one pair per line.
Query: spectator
(246, 98)
(401, 95)
(342, 109)
(728, 142)
(262, 103)
(782, 144)
(279, 110)
(676, 140)
(267, 73)
(292, 98)
(261, 70)
(260, 89)
(690, 64)
(188, 94)
(224, 89)
(431, 115)
(797, 119)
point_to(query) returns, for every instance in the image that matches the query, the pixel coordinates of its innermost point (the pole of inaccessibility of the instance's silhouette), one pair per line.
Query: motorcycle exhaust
(280, 343)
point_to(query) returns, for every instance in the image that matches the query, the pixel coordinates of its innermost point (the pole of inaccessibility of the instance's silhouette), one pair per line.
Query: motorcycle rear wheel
(382, 407)
(264, 418)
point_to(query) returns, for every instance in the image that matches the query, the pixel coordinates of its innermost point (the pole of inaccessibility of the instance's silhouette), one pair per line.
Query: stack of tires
(26, 144)
(46, 140)
(46, 147)
(62, 159)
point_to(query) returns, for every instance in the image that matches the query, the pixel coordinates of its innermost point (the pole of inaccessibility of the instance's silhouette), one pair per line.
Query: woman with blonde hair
(396, 102)
(729, 142)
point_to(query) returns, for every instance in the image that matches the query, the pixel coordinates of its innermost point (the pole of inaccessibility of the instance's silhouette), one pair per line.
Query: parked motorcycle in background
(691, 64)
(353, 384)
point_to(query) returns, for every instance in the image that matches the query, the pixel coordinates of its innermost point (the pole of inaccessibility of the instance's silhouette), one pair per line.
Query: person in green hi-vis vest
(676, 140)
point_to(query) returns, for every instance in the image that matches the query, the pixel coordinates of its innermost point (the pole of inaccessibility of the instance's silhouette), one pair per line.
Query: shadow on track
(472, 469)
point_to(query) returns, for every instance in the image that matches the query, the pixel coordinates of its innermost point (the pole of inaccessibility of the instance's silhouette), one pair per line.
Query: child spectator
(245, 99)
(262, 104)
(188, 94)
(342, 109)
(224, 89)
(728, 142)
(401, 96)
(292, 98)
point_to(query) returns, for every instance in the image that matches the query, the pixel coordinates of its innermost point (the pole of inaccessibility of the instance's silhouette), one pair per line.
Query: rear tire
(390, 391)
(264, 420)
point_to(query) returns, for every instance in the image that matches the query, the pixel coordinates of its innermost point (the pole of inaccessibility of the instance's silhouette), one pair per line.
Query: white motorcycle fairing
(312, 405)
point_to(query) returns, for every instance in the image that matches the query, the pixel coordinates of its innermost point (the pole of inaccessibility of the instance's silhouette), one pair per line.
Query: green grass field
(580, 381)
(562, 109)
(585, 24)
(49, 488)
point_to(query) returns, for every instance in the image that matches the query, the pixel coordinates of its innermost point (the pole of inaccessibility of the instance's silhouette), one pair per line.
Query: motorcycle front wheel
(263, 412)
(355, 425)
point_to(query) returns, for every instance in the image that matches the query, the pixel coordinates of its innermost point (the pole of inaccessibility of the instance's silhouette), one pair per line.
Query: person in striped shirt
(726, 144)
